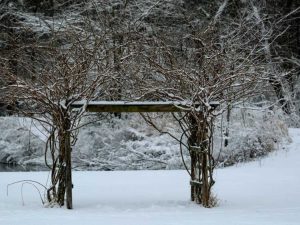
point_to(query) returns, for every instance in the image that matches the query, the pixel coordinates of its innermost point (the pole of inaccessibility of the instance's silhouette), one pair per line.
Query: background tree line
(128, 25)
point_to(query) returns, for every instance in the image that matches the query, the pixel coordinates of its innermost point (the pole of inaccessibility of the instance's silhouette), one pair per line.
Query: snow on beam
(125, 106)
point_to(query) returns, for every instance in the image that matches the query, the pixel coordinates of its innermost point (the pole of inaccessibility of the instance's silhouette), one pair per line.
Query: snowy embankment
(260, 192)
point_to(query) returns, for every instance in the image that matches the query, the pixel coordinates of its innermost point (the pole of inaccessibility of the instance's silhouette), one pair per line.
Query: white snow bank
(265, 192)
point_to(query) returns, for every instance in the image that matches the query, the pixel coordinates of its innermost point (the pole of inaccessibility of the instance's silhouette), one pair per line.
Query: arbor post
(63, 172)
(68, 160)
(201, 159)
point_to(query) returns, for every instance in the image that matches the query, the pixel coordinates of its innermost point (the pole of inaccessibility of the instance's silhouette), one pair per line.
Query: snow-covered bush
(18, 145)
(109, 144)
(130, 144)
(252, 133)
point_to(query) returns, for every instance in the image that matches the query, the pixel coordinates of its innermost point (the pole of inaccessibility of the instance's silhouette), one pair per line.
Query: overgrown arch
(196, 126)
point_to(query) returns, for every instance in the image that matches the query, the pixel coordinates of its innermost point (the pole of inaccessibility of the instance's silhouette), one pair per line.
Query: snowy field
(261, 192)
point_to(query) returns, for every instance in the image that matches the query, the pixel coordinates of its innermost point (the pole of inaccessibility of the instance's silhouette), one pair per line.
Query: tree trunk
(226, 142)
(201, 168)
(64, 173)
(68, 161)
(195, 186)
(68, 170)
(117, 54)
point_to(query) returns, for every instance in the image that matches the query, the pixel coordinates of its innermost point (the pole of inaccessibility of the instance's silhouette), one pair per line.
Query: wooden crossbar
(123, 106)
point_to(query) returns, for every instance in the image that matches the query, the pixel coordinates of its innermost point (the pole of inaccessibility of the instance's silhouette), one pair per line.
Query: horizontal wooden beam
(123, 106)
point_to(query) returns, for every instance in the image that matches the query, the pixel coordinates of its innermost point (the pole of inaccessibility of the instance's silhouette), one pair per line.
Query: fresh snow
(104, 103)
(129, 103)
(261, 192)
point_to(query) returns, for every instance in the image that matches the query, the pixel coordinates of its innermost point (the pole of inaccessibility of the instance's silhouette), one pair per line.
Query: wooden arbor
(198, 133)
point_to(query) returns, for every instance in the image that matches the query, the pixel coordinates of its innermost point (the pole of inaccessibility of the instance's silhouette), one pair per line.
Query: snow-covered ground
(261, 192)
